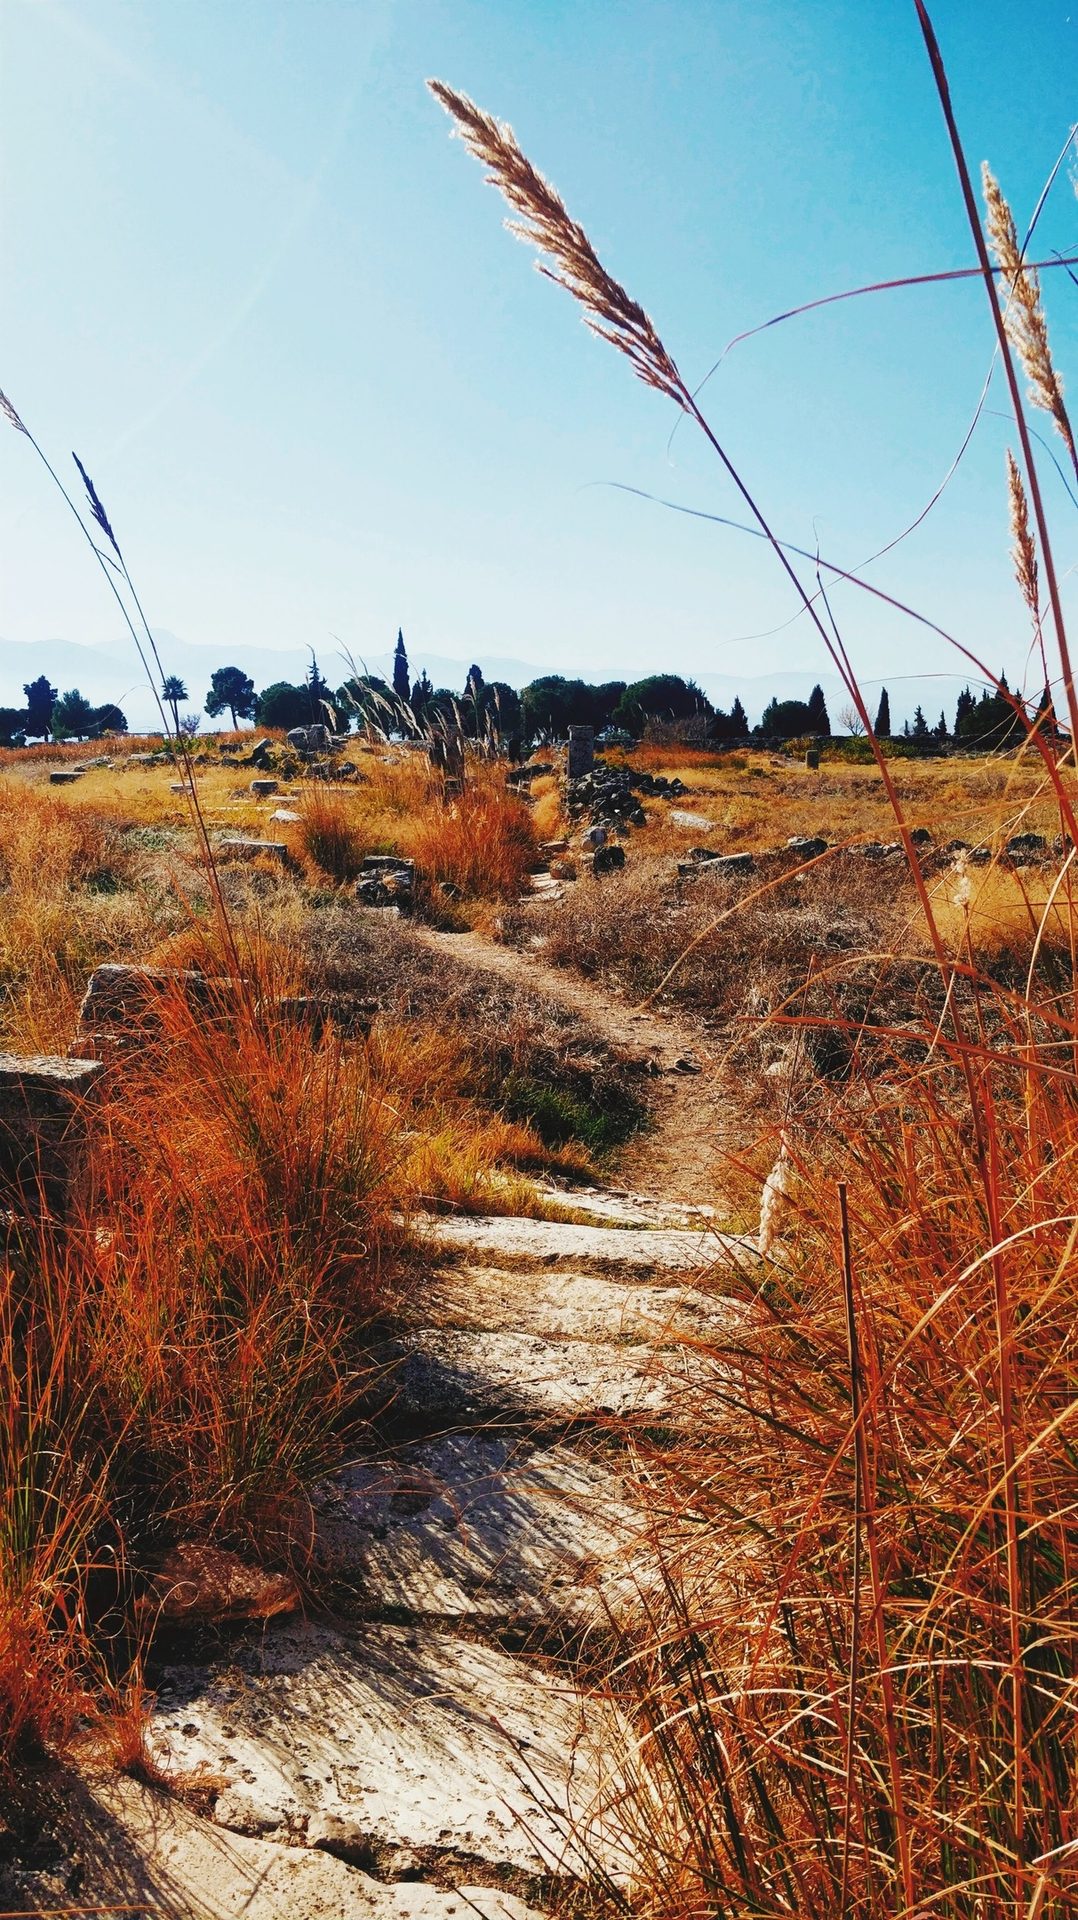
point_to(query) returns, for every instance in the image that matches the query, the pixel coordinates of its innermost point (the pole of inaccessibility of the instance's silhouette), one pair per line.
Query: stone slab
(452, 1376)
(480, 1528)
(123, 1845)
(559, 1303)
(403, 1748)
(666, 1250)
(694, 822)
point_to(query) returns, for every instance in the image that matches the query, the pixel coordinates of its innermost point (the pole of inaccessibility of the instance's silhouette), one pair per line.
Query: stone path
(433, 1743)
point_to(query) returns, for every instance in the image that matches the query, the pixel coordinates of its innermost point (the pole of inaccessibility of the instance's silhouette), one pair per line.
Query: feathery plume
(1023, 552)
(1023, 317)
(96, 507)
(10, 414)
(545, 224)
(775, 1199)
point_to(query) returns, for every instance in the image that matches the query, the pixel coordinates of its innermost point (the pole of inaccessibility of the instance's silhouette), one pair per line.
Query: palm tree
(173, 691)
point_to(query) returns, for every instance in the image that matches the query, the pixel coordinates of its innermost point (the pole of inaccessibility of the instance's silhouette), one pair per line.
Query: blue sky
(248, 276)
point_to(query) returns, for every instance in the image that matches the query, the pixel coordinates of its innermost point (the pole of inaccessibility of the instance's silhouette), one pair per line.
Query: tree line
(491, 709)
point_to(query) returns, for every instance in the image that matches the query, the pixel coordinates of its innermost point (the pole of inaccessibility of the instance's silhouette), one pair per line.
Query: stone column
(581, 752)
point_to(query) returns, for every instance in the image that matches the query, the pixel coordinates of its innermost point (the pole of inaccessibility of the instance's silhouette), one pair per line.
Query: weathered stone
(812, 759)
(1024, 846)
(45, 1111)
(386, 880)
(553, 846)
(478, 1528)
(581, 752)
(694, 822)
(806, 846)
(880, 849)
(121, 998)
(398, 1747)
(63, 776)
(141, 1851)
(921, 837)
(587, 1248)
(594, 837)
(263, 788)
(701, 860)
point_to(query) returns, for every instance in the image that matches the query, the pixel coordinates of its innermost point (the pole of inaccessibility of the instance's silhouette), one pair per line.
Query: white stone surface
(667, 1250)
(400, 1747)
(481, 1528)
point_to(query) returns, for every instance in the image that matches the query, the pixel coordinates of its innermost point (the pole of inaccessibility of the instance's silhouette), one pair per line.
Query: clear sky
(249, 278)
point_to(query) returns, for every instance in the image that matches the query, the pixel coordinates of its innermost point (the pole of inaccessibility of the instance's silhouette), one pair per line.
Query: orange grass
(484, 843)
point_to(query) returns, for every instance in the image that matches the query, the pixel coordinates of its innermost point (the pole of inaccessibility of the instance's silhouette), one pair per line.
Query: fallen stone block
(123, 1006)
(695, 822)
(45, 1111)
(806, 846)
(63, 776)
(263, 788)
(724, 864)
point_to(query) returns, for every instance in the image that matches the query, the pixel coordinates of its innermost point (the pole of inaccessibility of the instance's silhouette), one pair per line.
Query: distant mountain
(111, 672)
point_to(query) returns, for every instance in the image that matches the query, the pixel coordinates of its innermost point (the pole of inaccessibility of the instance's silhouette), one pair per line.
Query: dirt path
(679, 1157)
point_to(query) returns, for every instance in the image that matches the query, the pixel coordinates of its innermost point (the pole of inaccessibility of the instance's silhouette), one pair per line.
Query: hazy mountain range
(112, 673)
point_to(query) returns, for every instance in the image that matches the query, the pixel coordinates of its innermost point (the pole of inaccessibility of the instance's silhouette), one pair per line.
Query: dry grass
(855, 1693)
(484, 843)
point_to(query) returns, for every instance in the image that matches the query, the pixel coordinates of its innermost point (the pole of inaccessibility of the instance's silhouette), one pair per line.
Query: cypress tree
(401, 680)
(882, 729)
(818, 717)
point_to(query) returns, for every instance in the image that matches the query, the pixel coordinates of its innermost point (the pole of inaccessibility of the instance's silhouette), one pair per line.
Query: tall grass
(854, 1691)
(484, 843)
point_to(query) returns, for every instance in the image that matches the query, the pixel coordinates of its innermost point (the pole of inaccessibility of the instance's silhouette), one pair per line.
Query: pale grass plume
(11, 416)
(1023, 551)
(1023, 314)
(775, 1199)
(544, 223)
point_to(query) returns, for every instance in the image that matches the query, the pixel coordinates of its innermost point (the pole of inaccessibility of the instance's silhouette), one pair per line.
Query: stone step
(556, 1302)
(482, 1529)
(453, 1377)
(127, 1848)
(405, 1750)
(668, 1250)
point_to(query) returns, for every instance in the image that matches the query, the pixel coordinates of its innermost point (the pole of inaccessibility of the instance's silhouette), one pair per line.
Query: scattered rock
(695, 822)
(1026, 846)
(702, 860)
(594, 837)
(63, 776)
(806, 846)
(263, 788)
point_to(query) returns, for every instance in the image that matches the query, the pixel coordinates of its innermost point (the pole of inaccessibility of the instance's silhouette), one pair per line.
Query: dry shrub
(484, 843)
(330, 836)
(190, 1350)
(862, 1669)
(65, 902)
